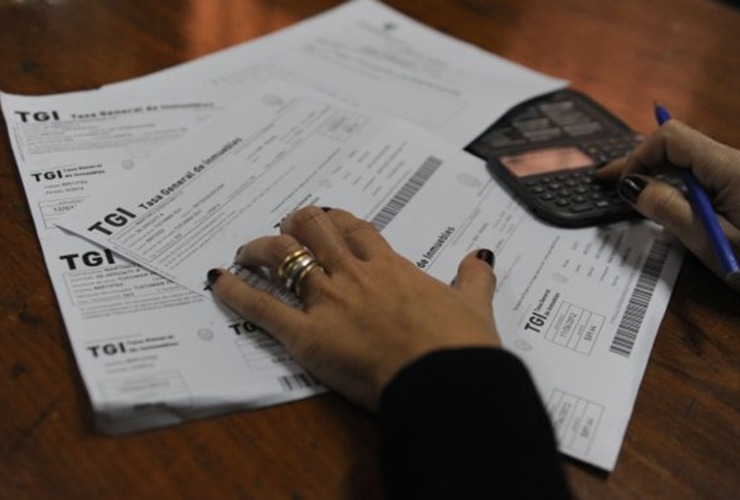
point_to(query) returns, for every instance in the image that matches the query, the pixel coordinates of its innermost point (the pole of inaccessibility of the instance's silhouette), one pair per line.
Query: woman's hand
(716, 166)
(370, 313)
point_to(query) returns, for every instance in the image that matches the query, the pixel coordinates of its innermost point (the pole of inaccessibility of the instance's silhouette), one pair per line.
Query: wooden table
(684, 437)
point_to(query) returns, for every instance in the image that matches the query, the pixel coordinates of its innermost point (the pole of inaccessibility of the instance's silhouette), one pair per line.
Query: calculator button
(563, 193)
(581, 207)
(562, 202)
(570, 183)
(537, 189)
(547, 196)
(601, 204)
(579, 199)
(554, 186)
(581, 190)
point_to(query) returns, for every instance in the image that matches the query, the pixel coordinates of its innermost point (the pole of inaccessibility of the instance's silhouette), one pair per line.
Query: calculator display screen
(546, 160)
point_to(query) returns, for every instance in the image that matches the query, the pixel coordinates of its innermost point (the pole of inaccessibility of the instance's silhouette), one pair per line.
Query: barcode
(629, 326)
(256, 279)
(404, 195)
(297, 381)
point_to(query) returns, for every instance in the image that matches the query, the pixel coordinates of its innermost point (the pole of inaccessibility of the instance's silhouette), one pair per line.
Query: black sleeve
(467, 423)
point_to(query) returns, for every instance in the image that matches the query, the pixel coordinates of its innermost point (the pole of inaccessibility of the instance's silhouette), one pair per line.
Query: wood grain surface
(684, 437)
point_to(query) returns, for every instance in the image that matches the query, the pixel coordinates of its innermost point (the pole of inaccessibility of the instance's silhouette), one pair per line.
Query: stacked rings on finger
(295, 267)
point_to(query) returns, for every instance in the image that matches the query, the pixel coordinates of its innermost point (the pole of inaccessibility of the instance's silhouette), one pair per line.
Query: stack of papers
(138, 188)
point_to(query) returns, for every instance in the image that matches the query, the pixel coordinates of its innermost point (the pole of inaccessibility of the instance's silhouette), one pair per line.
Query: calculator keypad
(577, 191)
(606, 150)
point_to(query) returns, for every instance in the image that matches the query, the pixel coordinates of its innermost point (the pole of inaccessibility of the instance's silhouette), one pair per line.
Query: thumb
(475, 279)
(613, 171)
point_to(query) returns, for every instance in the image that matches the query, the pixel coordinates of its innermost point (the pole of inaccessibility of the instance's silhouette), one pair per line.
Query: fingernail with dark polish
(238, 251)
(325, 209)
(630, 187)
(486, 256)
(213, 275)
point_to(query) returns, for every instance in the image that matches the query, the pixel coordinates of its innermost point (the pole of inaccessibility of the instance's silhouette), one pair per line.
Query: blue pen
(705, 211)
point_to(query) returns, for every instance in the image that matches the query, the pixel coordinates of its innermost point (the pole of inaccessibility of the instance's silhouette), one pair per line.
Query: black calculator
(546, 151)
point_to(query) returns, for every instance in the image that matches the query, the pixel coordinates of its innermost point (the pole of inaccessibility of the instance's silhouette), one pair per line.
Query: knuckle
(282, 245)
(338, 259)
(304, 216)
(674, 132)
(349, 224)
(676, 129)
(670, 128)
(359, 226)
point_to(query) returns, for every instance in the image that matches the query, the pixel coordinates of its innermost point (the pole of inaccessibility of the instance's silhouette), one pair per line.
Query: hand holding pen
(708, 221)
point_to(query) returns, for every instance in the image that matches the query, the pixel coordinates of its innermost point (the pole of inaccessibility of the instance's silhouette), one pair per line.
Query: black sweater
(467, 423)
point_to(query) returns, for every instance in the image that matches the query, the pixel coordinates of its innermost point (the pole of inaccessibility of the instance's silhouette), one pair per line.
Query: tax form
(580, 307)
(235, 181)
(68, 146)
(140, 341)
(367, 54)
(135, 334)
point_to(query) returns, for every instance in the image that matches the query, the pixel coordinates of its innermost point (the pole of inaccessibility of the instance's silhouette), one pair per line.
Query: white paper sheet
(581, 307)
(141, 342)
(234, 182)
(365, 53)
(70, 146)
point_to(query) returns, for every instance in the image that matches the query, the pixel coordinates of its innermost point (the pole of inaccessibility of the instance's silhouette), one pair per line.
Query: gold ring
(288, 261)
(295, 267)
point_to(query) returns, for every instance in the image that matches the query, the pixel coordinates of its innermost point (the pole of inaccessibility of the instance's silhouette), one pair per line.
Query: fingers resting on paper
(371, 312)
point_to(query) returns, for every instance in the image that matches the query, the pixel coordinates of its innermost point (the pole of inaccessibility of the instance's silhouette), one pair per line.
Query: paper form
(233, 182)
(140, 341)
(70, 146)
(581, 307)
(368, 54)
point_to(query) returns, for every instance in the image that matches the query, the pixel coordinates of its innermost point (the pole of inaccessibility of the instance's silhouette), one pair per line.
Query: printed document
(581, 307)
(368, 54)
(141, 342)
(135, 335)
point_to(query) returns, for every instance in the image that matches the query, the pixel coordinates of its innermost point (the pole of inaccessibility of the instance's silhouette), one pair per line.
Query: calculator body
(546, 151)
